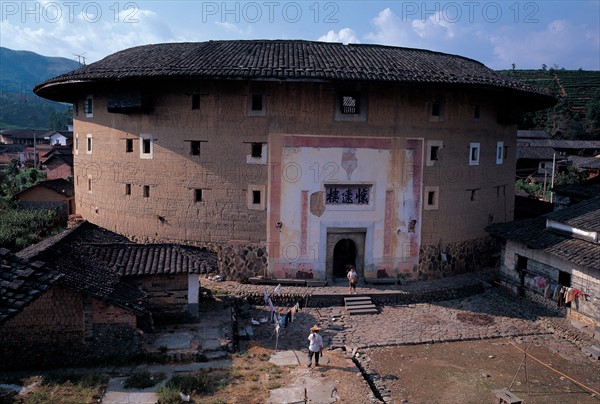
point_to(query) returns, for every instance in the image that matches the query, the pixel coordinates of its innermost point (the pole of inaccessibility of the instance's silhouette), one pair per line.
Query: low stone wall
(437, 261)
(242, 262)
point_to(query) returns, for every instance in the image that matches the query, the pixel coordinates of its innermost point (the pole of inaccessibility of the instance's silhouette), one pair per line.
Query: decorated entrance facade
(344, 201)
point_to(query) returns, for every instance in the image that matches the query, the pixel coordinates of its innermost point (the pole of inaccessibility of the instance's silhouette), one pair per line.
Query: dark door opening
(344, 254)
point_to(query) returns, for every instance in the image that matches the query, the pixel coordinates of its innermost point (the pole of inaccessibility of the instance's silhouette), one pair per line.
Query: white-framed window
(257, 104)
(431, 196)
(499, 152)
(256, 197)
(433, 150)
(76, 143)
(436, 111)
(474, 150)
(88, 106)
(258, 153)
(89, 143)
(146, 146)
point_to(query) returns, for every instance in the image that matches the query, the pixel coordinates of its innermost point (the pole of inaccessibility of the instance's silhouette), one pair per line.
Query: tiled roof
(533, 233)
(21, 282)
(533, 134)
(59, 185)
(561, 143)
(535, 153)
(586, 190)
(150, 259)
(61, 253)
(291, 60)
(585, 162)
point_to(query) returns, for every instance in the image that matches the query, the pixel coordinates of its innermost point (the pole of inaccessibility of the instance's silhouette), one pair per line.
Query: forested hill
(20, 71)
(577, 114)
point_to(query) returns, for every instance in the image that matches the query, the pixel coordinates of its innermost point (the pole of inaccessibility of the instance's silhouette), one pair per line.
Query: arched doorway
(344, 254)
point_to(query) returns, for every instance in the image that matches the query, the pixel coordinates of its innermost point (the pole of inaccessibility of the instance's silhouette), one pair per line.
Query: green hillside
(20, 71)
(577, 92)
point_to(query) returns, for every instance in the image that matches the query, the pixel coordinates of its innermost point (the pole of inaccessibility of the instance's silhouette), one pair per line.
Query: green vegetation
(64, 388)
(20, 228)
(577, 113)
(143, 379)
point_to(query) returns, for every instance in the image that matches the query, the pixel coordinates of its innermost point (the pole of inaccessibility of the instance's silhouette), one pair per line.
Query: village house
(50, 194)
(555, 260)
(58, 163)
(294, 159)
(52, 318)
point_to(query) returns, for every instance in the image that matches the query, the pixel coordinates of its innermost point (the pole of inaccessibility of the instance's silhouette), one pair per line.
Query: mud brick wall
(57, 329)
(165, 293)
(437, 261)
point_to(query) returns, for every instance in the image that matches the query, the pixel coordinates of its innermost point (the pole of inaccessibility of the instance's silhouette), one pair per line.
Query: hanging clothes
(569, 295)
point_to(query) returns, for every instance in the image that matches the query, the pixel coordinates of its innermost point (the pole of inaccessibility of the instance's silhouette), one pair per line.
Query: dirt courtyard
(467, 372)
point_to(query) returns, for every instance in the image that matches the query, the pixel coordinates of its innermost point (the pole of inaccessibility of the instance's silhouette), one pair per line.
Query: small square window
(350, 104)
(195, 147)
(257, 150)
(436, 111)
(256, 197)
(89, 144)
(88, 107)
(146, 191)
(197, 195)
(195, 101)
(127, 189)
(431, 195)
(474, 154)
(128, 145)
(257, 102)
(499, 152)
(433, 151)
(146, 146)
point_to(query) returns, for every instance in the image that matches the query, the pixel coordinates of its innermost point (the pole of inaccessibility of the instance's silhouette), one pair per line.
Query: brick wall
(51, 332)
(470, 196)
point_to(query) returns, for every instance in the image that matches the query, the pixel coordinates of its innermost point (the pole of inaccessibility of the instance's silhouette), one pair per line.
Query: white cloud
(559, 42)
(344, 35)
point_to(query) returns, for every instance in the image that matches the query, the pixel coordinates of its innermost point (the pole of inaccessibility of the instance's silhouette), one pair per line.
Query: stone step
(363, 311)
(350, 300)
(361, 306)
(593, 351)
(359, 303)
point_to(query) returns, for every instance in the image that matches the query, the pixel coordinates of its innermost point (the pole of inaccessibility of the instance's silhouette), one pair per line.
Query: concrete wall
(469, 197)
(586, 308)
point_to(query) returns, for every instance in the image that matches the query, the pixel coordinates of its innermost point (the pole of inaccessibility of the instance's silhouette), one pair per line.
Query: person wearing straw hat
(316, 345)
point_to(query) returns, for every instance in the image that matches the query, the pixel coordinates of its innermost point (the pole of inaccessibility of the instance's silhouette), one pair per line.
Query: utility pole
(552, 180)
(35, 155)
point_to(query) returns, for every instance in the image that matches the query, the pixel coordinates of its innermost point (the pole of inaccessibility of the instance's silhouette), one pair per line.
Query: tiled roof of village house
(533, 233)
(59, 185)
(151, 259)
(21, 282)
(61, 254)
(536, 153)
(290, 60)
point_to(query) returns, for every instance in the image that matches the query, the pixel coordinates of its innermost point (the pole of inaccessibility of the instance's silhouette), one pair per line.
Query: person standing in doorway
(352, 279)
(315, 346)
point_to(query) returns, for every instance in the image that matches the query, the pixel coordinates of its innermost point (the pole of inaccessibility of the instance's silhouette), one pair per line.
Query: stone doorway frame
(358, 235)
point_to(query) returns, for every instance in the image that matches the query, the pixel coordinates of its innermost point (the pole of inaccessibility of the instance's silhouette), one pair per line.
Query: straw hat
(315, 328)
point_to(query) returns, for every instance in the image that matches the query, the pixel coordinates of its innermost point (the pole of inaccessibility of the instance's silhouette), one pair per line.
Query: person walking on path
(352, 279)
(316, 345)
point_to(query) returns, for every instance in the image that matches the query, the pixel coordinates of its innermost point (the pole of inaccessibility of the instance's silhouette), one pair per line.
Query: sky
(528, 34)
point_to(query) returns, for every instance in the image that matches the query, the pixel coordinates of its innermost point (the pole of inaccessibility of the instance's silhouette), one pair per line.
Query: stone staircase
(360, 305)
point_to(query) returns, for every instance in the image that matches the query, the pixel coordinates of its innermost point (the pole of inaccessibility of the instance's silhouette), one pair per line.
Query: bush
(143, 379)
(197, 382)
